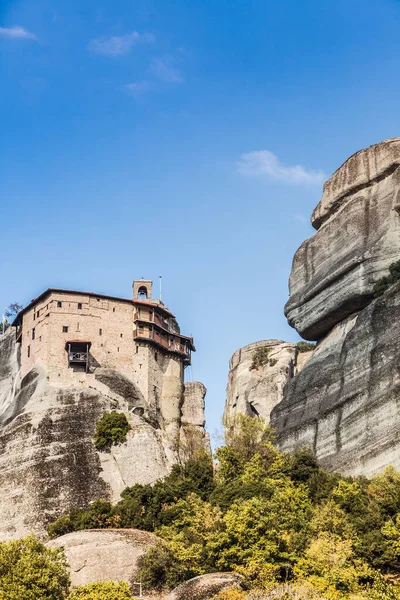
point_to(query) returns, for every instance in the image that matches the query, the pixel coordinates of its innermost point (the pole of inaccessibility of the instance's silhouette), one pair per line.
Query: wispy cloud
(163, 69)
(118, 45)
(17, 33)
(263, 163)
(138, 88)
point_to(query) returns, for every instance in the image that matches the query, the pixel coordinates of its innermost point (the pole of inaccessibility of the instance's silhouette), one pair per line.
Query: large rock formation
(48, 462)
(205, 587)
(358, 237)
(255, 390)
(345, 401)
(104, 554)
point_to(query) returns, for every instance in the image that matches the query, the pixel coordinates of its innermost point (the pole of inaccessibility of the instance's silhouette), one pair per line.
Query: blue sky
(183, 138)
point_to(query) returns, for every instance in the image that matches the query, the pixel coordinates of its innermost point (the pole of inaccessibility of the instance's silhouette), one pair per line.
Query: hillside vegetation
(274, 518)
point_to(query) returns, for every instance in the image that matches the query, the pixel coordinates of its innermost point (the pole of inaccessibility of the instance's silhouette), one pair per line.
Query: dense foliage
(30, 571)
(269, 516)
(111, 429)
(105, 590)
(260, 357)
(305, 346)
(385, 282)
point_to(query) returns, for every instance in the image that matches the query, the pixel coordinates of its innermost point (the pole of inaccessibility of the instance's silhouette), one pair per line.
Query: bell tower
(142, 289)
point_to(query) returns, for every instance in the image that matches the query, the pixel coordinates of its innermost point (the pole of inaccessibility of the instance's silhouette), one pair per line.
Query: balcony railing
(168, 344)
(78, 357)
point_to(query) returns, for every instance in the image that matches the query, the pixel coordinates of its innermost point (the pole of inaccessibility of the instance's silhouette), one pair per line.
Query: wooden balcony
(164, 340)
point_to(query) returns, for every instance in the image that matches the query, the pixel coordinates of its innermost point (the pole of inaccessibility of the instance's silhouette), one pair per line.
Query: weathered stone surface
(334, 271)
(344, 404)
(361, 170)
(193, 435)
(205, 587)
(48, 462)
(104, 554)
(254, 392)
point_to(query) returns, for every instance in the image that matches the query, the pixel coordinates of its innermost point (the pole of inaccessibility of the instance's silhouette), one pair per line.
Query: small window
(120, 335)
(114, 309)
(100, 332)
(40, 338)
(38, 314)
(33, 333)
(141, 329)
(65, 329)
(118, 349)
(137, 349)
(59, 304)
(29, 351)
(34, 316)
(79, 305)
(156, 356)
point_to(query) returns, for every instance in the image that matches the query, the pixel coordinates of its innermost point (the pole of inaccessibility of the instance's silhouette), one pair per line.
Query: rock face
(358, 237)
(345, 401)
(104, 554)
(255, 391)
(193, 434)
(205, 587)
(48, 462)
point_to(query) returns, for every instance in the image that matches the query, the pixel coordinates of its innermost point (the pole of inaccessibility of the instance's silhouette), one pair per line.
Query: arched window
(142, 292)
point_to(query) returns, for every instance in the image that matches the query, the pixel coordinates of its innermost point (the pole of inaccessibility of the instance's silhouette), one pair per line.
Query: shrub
(230, 594)
(111, 430)
(159, 569)
(30, 571)
(305, 346)
(260, 357)
(104, 590)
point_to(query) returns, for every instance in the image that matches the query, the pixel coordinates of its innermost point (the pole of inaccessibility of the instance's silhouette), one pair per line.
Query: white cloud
(117, 45)
(138, 88)
(263, 163)
(17, 33)
(163, 69)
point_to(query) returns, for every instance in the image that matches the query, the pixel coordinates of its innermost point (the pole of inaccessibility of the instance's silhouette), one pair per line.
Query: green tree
(111, 429)
(30, 571)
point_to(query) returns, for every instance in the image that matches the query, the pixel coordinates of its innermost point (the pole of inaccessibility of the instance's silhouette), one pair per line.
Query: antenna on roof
(160, 285)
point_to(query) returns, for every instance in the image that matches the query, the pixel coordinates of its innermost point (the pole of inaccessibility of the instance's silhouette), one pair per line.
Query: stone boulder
(358, 237)
(255, 391)
(344, 404)
(104, 554)
(205, 587)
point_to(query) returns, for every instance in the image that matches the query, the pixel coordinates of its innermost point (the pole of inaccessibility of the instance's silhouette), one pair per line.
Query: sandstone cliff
(342, 400)
(358, 238)
(345, 402)
(255, 390)
(48, 462)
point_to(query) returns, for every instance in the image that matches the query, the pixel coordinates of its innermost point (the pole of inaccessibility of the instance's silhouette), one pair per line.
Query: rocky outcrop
(205, 587)
(193, 435)
(345, 403)
(104, 554)
(254, 391)
(358, 237)
(48, 462)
